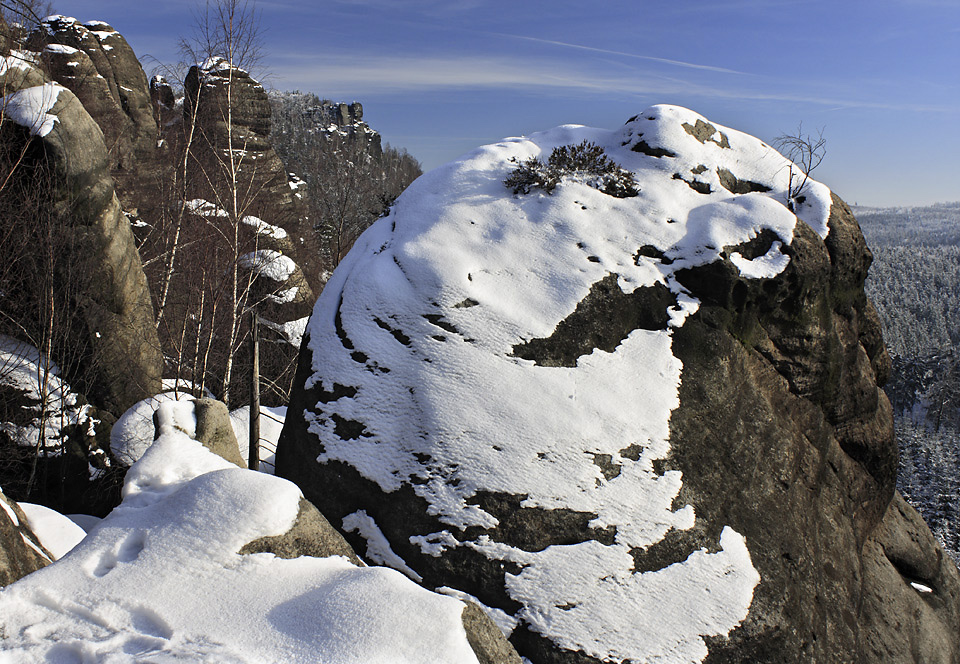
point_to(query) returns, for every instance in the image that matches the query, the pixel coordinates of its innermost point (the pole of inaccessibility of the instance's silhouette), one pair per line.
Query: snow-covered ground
(160, 579)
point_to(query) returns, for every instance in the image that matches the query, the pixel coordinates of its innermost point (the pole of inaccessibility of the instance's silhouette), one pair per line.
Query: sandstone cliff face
(635, 428)
(66, 154)
(260, 170)
(96, 63)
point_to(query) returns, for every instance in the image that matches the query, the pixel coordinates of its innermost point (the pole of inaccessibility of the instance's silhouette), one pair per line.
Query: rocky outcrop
(95, 249)
(634, 428)
(273, 216)
(20, 550)
(96, 63)
(209, 425)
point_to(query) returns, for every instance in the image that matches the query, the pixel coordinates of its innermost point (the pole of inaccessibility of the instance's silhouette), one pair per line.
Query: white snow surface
(378, 547)
(57, 533)
(160, 580)
(30, 107)
(205, 208)
(133, 432)
(460, 252)
(269, 263)
(292, 331)
(61, 48)
(271, 424)
(263, 228)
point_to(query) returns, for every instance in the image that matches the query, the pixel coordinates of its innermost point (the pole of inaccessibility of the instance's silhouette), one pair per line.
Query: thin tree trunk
(253, 462)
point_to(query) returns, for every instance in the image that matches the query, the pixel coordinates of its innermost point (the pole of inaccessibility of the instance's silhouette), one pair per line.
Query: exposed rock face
(96, 63)
(114, 320)
(20, 551)
(643, 428)
(275, 216)
(310, 535)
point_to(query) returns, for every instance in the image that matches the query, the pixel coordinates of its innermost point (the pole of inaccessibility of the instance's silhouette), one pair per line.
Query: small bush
(585, 162)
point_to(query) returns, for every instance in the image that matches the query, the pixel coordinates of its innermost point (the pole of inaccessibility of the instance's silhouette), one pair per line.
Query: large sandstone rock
(207, 90)
(646, 428)
(113, 324)
(96, 63)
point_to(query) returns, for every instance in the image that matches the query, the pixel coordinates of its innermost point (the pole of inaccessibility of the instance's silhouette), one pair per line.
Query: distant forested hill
(915, 284)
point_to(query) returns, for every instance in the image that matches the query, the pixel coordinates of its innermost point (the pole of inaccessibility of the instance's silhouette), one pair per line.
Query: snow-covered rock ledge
(637, 422)
(163, 577)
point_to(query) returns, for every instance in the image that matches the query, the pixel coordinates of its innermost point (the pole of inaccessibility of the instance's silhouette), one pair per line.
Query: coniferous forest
(915, 284)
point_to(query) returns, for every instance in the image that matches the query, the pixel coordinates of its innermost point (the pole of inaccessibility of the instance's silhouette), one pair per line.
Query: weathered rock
(651, 432)
(96, 63)
(215, 431)
(210, 426)
(121, 360)
(273, 226)
(911, 592)
(164, 101)
(20, 550)
(310, 535)
(488, 642)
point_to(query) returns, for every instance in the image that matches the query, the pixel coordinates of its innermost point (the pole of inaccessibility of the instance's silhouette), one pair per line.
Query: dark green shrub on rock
(585, 162)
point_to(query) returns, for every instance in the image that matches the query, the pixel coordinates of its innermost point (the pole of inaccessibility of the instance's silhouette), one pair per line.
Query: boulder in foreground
(632, 405)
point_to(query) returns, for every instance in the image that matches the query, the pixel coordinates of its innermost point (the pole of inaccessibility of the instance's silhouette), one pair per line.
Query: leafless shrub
(805, 153)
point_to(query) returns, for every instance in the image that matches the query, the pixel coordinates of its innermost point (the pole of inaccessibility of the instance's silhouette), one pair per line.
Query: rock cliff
(93, 252)
(277, 219)
(96, 63)
(631, 403)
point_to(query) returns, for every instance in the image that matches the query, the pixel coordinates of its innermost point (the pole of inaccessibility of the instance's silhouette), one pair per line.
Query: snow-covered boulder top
(498, 378)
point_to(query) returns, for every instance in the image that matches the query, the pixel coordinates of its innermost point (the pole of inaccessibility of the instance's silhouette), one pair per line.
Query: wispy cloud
(649, 58)
(356, 77)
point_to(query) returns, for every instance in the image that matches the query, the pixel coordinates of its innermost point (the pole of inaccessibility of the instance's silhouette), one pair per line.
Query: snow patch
(56, 532)
(378, 548)
(263, 228)
(269, 263)
(271, 424)
(205, 208)
(61, 48)
(55, 405)
(292, 331)
(31, 107)
(160, 579)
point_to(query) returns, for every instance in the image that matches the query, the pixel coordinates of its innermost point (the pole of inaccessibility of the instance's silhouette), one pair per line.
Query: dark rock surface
(18, 557)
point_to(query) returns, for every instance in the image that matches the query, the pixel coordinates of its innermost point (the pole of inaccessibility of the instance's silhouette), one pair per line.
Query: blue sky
(439, 77)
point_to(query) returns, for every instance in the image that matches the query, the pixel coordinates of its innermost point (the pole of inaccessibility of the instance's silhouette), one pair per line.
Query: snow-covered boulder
(200, 563)
(629, 402)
